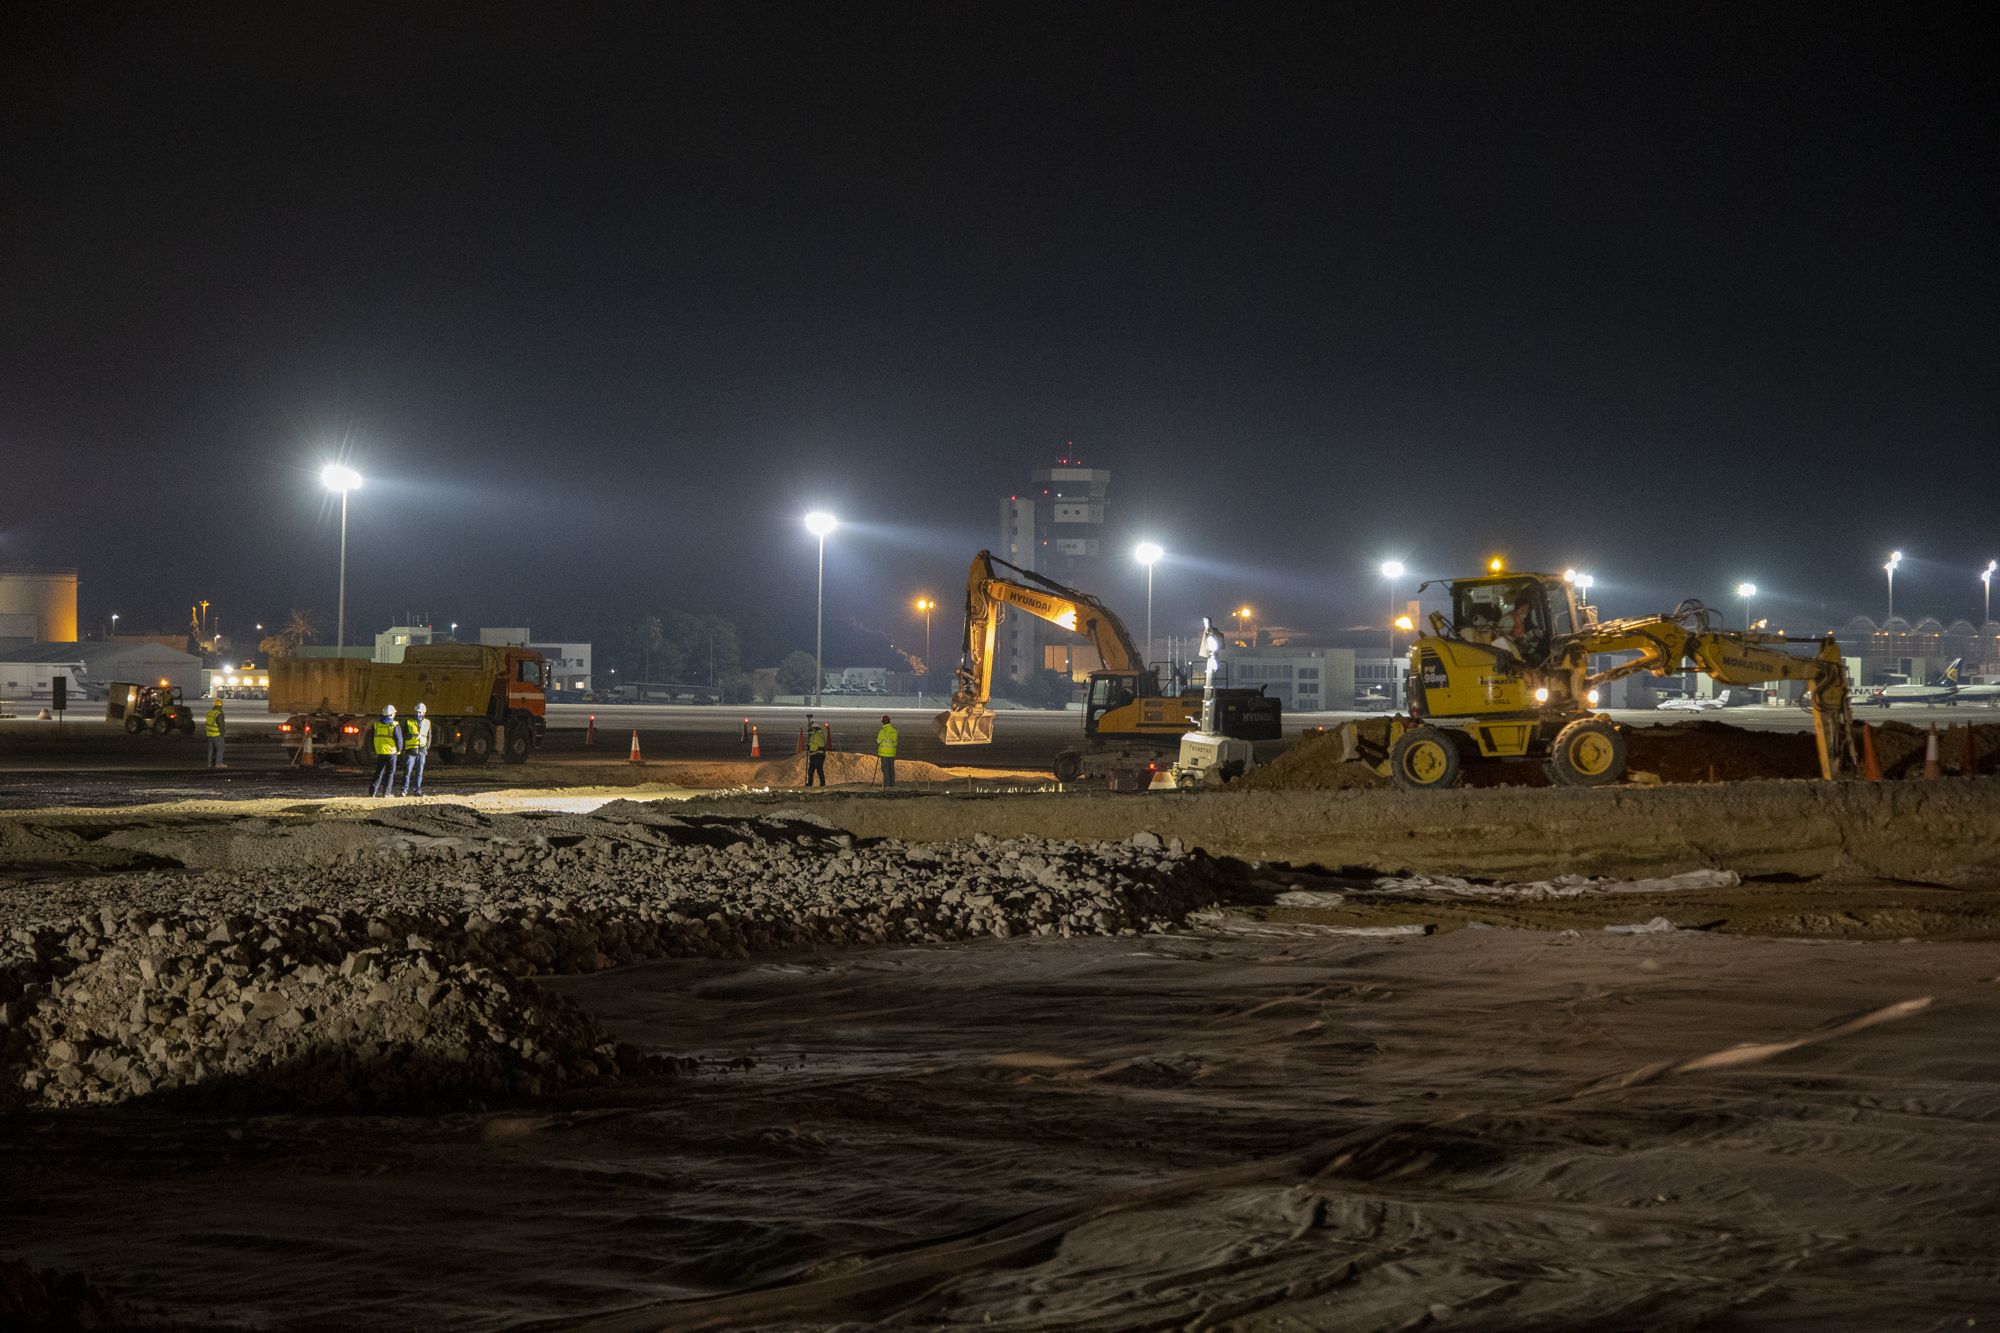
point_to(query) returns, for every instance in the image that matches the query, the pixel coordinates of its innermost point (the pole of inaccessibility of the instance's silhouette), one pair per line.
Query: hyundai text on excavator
(1509, 677)
(1131, 729)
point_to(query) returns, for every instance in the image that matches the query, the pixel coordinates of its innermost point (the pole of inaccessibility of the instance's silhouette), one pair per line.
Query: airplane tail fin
(1950, 676)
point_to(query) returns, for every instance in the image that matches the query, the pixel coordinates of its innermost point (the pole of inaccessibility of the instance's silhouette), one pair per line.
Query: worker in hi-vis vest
(214, 732)
(816, 754)
(416, 748)
(386, 739)
(885, 750)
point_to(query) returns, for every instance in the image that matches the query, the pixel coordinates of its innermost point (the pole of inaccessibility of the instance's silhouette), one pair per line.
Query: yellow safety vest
(815, 741)
(214, 727)
(385, 737)
(885, 742)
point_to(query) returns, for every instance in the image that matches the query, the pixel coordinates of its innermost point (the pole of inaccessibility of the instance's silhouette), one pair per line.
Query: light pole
(1746, 591)
(1895, 558)
(1148, 554)
(925, 605)
(114, 624)
(1986, 578)
(338, 477)
(1391, 571)
(1241, 613)
(819, 523)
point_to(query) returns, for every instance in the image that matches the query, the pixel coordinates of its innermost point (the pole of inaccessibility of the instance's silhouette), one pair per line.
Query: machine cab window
(1508, 614)
(532, 672)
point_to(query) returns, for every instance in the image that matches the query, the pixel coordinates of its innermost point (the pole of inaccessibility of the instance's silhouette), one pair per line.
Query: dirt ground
(1411, 1071)
(1487, 1129)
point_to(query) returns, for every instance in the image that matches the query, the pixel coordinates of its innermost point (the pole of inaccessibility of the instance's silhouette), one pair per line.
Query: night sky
(602, 299)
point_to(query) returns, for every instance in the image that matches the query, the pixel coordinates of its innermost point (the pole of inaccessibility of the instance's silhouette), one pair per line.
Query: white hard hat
(388, 710)
(421, 710)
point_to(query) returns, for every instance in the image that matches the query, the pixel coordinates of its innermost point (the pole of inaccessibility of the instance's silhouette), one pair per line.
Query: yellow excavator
(1509, 677)
(1131, 729)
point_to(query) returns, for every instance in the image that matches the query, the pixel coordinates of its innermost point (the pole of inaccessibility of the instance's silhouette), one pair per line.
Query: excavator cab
(1522, 615)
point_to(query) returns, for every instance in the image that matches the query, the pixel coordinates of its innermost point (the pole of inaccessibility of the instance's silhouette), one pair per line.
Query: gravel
(398, 974)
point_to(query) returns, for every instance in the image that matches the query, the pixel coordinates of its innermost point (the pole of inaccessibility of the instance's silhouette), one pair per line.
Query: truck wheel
(1589, 752)
(1425, 758)
(135, 724)
(1069, 766)
(162, 725)
(519, 743)
(475, 742)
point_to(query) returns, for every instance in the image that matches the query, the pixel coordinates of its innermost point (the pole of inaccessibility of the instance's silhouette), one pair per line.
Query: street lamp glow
(340, 478)
(1148, 554)
(1986, 578)
(820, 523)
(1392, 569)
(1895, 558)
(1746, 590)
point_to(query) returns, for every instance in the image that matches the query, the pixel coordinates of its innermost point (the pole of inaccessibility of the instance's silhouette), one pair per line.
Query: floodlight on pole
(1746, 591)
(819, 523)
(1148, 554)
(1895, 558)
(1986, 578)
(925, 605)
(1391, 571)
(341, 478)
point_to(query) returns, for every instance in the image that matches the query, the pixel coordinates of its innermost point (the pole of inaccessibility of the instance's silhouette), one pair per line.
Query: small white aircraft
(1690, 704)
(1988, 694)
(1943, 690)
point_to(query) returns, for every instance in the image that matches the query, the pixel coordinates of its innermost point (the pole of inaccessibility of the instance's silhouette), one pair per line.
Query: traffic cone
(306, 750)
(590, 732)
(1932, 769)
(42, 716)
(1871, 767)
(635, 747)
(756, 750)
(802, 741)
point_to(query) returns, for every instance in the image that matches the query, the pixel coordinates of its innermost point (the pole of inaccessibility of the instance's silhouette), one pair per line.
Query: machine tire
(520, 743)
(1069, 766)
(475, 742)
(162, 725)
(1589, 752)
(1426, 758)
(135, 725)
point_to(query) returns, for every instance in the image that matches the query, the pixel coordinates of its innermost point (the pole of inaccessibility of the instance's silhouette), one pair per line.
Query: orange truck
(477, 697)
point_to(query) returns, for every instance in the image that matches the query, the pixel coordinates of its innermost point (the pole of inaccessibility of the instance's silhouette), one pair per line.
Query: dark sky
(602, 299)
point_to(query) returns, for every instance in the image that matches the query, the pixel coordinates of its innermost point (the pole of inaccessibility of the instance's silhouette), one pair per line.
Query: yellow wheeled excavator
(1508, 676)
(1131, 730)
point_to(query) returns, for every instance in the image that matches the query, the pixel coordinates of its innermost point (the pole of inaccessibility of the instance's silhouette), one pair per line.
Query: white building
(1303, 680)
(391, 642)
(28, 670)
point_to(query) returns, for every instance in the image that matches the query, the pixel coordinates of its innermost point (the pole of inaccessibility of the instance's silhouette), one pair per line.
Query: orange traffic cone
(590, 732)
(1871, 767)
(1932, 769)
(306, 750)
(635, 746)
(802, 741)
(756, 750)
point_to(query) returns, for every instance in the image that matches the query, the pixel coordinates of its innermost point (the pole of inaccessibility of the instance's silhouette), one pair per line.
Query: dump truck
(477, 697)
(1132, 730)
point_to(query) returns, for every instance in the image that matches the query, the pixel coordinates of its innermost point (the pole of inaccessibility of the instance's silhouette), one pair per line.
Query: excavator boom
(991, 584)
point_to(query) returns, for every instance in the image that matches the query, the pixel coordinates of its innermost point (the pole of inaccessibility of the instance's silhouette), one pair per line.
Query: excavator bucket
(965, 726)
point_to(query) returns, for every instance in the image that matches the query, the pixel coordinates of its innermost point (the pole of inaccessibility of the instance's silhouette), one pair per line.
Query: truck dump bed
(454, 679)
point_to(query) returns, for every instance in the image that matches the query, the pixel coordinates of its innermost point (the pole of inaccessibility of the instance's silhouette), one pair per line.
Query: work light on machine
(1405, 623)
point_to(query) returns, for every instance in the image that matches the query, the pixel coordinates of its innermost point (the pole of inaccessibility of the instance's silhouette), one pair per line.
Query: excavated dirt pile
(843, 767)
(1698, 750)
(395, 973)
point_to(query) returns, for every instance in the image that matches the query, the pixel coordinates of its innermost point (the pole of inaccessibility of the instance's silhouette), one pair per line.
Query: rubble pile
(399, 972)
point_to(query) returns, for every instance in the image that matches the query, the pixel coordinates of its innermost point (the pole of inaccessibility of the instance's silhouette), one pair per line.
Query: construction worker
(214, 732)
(386, 739)
(816, 754)
(416, 748)
(885, 750)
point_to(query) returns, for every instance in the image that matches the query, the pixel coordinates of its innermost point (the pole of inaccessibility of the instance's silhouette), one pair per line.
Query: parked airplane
(1943, 690)
(1988, 694)
(1690, 704)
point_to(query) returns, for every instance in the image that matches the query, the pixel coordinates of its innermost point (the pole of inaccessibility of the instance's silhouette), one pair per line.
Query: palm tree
(652, 636)
(288, 640)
